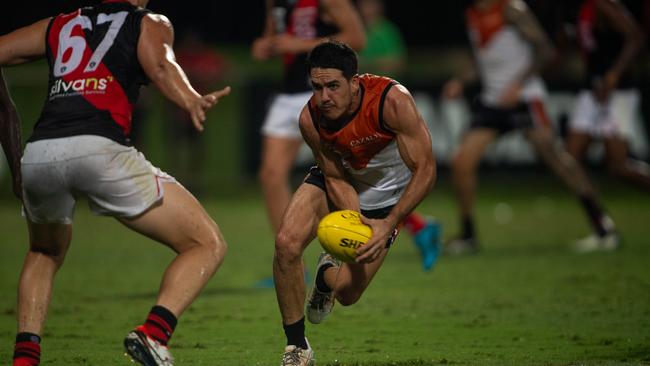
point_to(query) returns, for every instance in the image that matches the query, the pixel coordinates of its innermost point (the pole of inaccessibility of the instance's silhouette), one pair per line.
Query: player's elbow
(158, 72)
(428, 171)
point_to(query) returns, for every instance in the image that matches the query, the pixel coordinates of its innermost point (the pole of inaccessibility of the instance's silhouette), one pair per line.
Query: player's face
(333, 93)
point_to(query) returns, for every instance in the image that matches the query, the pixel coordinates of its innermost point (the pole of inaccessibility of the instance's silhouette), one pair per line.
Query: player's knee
(269, 174)
(218, 247)
(55, 253)
(287, 248)
(461, 162)
(212, 242)
(617, 170)
(348, 297)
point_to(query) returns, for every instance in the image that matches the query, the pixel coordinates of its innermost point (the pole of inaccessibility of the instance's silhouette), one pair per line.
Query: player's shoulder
(396, 93)
(376, 83)
(306, 118)
(396, 102)
(516, 7)
(157, 20)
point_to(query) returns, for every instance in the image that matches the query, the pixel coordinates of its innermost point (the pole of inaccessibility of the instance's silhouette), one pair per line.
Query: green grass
(526, 299)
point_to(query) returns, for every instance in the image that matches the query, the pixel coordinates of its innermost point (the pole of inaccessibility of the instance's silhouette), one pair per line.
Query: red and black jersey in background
(301, 18)
(94, 73)
(600, 43)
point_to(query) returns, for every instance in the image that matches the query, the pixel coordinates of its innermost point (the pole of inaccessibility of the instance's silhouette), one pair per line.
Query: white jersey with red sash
(502, 54)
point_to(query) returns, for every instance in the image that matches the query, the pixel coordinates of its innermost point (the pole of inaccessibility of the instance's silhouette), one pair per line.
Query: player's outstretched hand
(262, 48)
(381, 231)
(203, 104)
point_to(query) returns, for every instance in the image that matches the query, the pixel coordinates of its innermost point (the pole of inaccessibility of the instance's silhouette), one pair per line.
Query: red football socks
(414, 223)
(27, 351)
(160, 324)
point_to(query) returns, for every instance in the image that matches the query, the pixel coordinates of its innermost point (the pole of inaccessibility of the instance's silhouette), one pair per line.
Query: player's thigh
(545, 144)
(52, 239)
(178, 221)
(616, 150)
(47, 195)
(362, 274)
(282, 117)
(279, 153)
(473, 145)
(300, 222)
(577, 144)
(542, 138)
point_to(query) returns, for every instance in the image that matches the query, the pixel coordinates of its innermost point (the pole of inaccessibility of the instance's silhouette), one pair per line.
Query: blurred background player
(205, 68)
(510, 48)
(374, 155)
(610, 39)
(79, 146)
(385, 51)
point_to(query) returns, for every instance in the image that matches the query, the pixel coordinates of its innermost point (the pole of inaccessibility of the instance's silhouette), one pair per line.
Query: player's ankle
(27, 351)
(160, 324)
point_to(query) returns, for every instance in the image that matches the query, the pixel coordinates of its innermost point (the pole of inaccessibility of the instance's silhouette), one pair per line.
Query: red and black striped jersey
(303, 19)
(600, 43)
(94, 73)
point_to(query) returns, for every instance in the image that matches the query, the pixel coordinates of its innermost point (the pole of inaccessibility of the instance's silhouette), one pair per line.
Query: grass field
(526, 299)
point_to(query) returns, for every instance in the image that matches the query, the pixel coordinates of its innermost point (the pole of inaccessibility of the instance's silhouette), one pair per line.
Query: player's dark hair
(333, 54)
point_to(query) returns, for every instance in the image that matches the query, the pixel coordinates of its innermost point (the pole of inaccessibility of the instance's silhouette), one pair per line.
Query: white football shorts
(282, 117)
(615, 118)
(116, 179)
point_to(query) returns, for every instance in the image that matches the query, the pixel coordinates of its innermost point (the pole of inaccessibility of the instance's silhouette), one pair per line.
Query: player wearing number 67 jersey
(98, 58)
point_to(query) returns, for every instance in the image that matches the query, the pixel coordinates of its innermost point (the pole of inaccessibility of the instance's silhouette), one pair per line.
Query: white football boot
(146, 351)
(595, 243)
(320, 304)
(459, 247)
(296, 356)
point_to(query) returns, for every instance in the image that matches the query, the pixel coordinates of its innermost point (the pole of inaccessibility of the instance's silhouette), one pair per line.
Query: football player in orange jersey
(374, 155)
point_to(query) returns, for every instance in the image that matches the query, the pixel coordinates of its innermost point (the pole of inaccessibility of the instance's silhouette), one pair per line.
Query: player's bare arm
(621, 21)
(24, 44)
(262, 47)
(341, 14)
(10, 135)
(519, 15)
(414, 142)
(466, 74)
(20, 46)
(347, 19)
(339, 190)
(156, 55)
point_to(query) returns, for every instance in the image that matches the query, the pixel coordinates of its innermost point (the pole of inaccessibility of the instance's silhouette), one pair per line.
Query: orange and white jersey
(368, 149)
(501, 52)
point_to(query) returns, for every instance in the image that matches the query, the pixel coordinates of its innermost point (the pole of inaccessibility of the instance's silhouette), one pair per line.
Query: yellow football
(341, 233)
